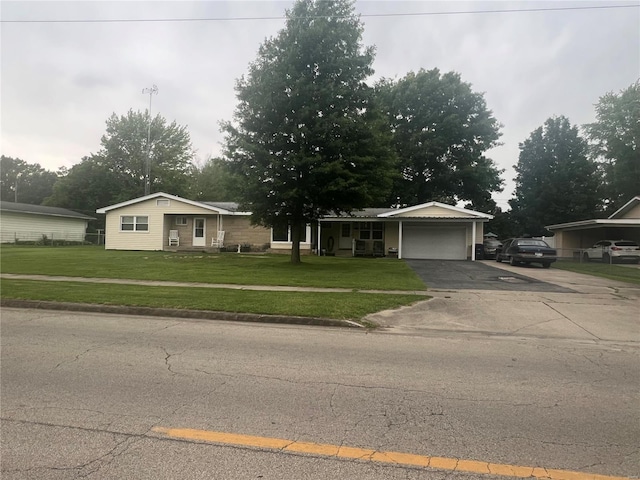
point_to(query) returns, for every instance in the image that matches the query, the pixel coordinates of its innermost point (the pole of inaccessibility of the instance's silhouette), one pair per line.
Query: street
(103, 396)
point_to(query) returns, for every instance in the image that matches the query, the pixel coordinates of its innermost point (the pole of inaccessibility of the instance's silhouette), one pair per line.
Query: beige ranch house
(624, 224)
(161, 221)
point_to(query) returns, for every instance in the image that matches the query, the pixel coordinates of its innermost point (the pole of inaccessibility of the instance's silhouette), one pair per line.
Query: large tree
(117, 172)
(24, 182)
(555, 182)
(615, 140)
(307, 138)
(215, 181)
(87, 186)
(125, 152)
(441, 130)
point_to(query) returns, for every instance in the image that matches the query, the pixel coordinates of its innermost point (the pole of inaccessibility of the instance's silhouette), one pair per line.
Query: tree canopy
(441, 131)
(555, 182)
(615, 137)
(308, 138)
(117, 172)
(24, 182)
(124, 152)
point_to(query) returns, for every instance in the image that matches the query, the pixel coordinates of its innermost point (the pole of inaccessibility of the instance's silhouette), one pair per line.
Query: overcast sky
(61, 81)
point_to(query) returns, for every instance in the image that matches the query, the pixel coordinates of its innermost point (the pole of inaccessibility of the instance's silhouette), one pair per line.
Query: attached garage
(433, 231)
(434, 242)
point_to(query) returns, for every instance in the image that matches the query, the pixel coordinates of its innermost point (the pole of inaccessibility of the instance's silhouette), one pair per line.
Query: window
(130, 223)
(181, 220)
(371, 231)
(162, 202)
(283, 234)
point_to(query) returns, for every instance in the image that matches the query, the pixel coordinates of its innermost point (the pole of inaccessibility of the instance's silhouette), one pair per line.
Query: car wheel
(547, 264)
(606, 258)
(585, 258)
(512, 262)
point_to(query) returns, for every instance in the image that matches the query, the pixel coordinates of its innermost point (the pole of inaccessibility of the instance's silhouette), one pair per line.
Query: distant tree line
(310, 136)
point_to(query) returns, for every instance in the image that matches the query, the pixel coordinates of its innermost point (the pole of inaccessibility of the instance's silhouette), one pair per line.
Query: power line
(370, 15)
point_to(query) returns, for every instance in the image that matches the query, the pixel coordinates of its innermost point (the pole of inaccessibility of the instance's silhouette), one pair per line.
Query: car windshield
(532, 243)
(626, 244)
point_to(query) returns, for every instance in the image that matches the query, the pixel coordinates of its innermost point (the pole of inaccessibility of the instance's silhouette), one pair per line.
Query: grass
(349, 305)
(231, 268)
(612, 272)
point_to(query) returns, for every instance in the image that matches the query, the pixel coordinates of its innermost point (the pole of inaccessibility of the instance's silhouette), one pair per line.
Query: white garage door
(439, 243)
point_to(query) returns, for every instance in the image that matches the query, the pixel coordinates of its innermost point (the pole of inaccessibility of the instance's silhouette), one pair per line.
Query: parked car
(526, 250)
(491, 245)
(612, 251)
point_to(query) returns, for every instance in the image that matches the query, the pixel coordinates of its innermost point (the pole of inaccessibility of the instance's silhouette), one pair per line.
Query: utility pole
(147, 174)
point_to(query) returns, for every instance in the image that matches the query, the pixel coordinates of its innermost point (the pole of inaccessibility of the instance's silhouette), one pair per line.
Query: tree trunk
(295, 243)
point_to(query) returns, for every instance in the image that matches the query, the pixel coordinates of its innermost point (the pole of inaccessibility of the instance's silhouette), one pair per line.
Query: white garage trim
(434, 242)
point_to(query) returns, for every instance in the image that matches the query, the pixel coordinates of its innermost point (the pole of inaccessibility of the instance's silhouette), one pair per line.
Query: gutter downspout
(473, 241)
(400, 240)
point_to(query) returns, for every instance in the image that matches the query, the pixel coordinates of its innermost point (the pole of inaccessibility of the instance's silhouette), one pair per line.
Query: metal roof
(41, 210)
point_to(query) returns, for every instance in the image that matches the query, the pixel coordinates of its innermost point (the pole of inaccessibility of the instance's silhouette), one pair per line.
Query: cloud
(60, 82)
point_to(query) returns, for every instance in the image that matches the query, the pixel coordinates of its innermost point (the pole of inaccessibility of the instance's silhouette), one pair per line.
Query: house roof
(225, 208)
(620, 213)
(41, 210)
(414, 212)
(616, 219)
(417, 211)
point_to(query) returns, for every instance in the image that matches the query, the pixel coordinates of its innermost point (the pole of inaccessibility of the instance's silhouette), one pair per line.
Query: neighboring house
(32, 223)
(431, 230)
(624, 224)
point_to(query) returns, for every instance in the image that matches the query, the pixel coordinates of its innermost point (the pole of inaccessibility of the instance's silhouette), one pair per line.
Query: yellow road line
(439, 463)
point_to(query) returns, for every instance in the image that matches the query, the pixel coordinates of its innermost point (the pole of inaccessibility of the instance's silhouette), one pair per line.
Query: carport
(570, 238)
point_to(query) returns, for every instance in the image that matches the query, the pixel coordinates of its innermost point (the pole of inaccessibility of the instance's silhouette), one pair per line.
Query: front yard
(228, 268)
(621, 273)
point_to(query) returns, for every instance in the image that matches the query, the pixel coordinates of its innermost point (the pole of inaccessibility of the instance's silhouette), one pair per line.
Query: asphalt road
(102, 397)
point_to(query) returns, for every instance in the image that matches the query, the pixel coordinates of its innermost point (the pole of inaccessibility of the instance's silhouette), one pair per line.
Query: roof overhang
(404, 213)
(586, 224)
(194, 203)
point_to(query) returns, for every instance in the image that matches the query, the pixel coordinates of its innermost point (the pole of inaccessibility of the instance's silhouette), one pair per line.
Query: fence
(52, 238)
(577, 255)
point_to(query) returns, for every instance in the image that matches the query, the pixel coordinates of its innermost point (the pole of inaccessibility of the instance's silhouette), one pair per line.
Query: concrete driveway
(540, 302)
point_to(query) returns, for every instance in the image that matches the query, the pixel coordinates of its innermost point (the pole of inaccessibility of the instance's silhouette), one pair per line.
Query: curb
(178, 313)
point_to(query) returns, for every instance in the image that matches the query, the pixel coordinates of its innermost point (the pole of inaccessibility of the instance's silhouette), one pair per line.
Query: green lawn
(349, 305)
(233, 268)
(612, 272)
(230, 268)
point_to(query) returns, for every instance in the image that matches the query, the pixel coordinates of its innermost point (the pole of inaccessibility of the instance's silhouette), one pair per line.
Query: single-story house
(624, 224)
(161, 221)
(32, 223)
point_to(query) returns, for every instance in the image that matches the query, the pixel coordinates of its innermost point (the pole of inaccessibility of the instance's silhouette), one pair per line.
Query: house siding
(633, 213)
(157, 235)
(31, 227)
(433, 211)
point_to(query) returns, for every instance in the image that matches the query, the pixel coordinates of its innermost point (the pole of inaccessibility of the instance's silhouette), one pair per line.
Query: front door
(199, 232)
(345, 236)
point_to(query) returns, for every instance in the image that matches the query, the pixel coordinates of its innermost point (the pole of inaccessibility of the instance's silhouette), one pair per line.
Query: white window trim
(181, 218)
(135, 223)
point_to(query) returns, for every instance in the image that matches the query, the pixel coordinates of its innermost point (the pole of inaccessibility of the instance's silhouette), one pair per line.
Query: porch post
(399, 239)
(318, 239)
(473, 241)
